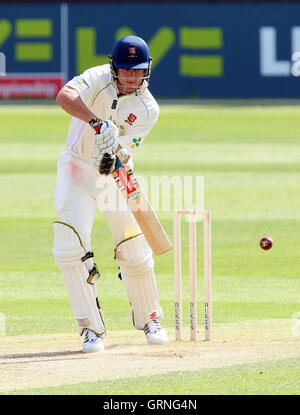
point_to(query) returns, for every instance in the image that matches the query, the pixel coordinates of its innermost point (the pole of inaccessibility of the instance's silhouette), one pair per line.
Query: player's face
(130, 79)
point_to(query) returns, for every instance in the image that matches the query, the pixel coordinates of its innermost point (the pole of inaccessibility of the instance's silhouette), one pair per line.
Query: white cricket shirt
(134, 114)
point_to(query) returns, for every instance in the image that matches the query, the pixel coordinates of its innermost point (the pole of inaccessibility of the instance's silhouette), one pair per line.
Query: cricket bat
(141, 209)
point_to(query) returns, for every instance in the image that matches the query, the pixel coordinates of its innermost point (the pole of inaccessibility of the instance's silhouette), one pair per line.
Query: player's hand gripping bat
(135, 197)
(141, 209)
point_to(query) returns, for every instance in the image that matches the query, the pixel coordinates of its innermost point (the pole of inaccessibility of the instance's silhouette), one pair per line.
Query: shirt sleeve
(134, 137)
(87, 85)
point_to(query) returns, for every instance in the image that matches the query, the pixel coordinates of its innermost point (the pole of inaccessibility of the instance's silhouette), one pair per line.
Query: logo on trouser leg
(153, 315)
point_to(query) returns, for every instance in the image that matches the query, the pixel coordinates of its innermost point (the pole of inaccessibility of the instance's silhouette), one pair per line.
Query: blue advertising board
(30, 38)
(204, 51)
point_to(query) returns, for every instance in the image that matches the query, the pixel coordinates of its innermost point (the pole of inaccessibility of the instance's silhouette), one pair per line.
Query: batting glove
(106, 137)
(108, 162)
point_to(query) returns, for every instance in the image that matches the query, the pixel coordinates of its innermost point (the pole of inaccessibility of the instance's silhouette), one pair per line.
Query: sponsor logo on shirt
(130, 119)
(136, 142)
(114, 104)
(80, 81)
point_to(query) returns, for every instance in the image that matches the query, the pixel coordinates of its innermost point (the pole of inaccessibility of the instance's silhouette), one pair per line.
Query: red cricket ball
(266, 243)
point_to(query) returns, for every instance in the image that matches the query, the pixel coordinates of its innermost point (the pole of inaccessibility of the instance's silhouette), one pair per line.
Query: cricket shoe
(92, 342)
(155, 334)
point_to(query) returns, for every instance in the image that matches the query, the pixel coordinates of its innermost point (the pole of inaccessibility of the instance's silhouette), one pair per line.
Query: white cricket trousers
(80, 190)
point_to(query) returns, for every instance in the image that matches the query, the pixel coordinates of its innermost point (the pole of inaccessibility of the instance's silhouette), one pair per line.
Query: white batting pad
(68, 253)
(135, 260)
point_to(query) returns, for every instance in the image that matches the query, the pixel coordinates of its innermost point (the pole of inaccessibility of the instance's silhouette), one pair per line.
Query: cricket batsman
(112, 112)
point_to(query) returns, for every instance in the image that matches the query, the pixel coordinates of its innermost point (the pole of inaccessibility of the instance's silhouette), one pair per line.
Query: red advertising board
(39, 86)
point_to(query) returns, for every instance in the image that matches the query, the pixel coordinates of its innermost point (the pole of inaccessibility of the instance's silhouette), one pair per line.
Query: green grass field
(250, 160)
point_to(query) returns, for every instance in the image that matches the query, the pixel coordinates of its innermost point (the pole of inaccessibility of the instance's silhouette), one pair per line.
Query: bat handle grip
(118, 164)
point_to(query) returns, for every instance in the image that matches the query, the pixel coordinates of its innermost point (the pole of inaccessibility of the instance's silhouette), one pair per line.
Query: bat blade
(142, 210)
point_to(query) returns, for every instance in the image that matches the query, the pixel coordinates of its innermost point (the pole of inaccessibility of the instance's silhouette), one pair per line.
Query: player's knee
(68, 247)
(134, 256)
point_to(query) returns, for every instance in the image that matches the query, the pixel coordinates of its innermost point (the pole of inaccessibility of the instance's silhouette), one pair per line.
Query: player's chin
(130, 90)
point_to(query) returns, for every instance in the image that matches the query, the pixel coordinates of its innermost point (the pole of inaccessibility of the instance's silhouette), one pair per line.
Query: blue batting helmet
(131, 52)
